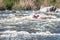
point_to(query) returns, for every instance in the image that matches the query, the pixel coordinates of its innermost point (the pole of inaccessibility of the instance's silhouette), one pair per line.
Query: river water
(21, 25)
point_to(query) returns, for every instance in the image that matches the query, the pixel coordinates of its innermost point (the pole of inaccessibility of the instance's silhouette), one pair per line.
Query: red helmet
(37, 15)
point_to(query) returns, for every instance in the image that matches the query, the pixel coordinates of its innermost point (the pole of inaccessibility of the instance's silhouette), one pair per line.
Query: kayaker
(37, 16)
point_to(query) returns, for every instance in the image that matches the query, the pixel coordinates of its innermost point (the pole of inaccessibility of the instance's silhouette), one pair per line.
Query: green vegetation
(38, 3)
(18, 8)
(10, 4)
(52, 2)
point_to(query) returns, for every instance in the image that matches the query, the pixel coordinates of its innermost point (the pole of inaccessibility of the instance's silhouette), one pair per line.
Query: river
(20, 25)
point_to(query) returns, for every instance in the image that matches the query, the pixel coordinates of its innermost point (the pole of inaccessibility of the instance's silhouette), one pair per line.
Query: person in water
(37, 16)
(53, 9)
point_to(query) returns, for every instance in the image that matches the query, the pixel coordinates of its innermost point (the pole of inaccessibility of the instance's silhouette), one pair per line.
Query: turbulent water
(21, 25)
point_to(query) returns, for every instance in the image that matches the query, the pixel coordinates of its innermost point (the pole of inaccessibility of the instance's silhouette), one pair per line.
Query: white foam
(23, 32)
(44, 9)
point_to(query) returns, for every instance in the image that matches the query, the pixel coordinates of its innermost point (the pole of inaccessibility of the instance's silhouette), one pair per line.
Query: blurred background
(27, 4)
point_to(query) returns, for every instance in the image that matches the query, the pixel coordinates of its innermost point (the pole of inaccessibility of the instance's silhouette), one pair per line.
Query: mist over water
(21, 25)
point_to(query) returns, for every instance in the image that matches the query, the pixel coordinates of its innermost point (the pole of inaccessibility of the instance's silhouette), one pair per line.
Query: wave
(14, 35)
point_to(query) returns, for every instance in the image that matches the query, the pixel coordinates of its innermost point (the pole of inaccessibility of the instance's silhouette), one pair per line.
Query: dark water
(20, 25)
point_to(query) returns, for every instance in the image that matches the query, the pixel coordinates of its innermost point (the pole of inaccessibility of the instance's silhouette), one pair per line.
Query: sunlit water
(21, 25)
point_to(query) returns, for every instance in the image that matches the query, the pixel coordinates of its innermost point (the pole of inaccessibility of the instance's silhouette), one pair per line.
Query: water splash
(21, 25)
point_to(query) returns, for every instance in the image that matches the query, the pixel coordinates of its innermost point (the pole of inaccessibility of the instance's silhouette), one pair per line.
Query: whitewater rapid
(21, 25)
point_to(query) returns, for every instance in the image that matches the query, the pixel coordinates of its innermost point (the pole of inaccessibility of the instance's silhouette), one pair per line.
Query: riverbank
(27, 4)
